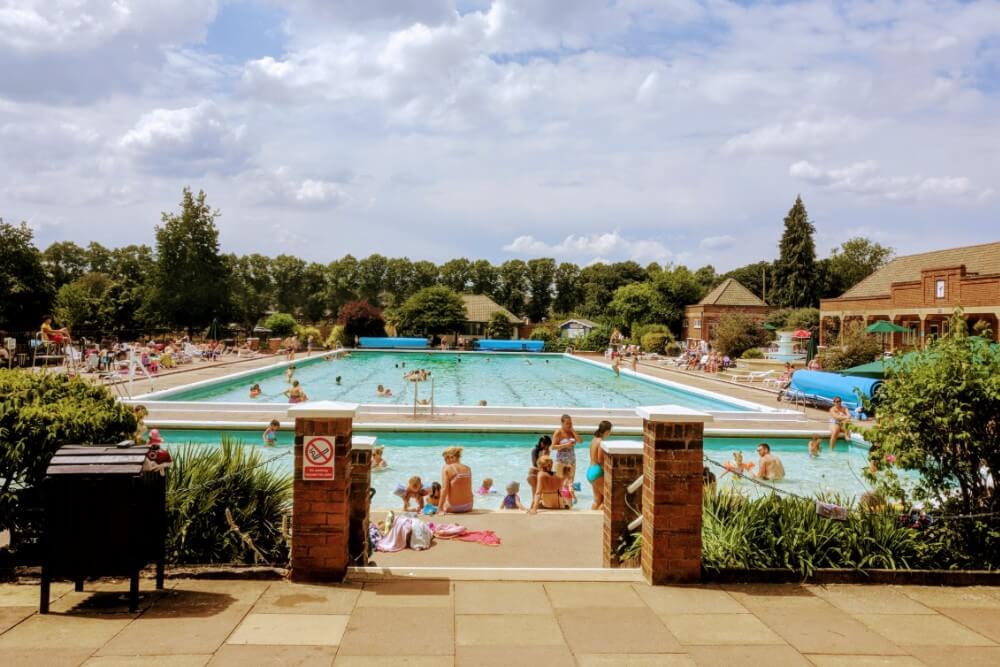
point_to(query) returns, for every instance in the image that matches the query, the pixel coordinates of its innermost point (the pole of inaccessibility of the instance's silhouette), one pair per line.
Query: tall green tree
(512, 291)
(252, 289)
(25, 286)
(456, 274)
(290, 285)
(425, 274)
(541, 276)
(314, 306)
(65, 261)
(795, 275)
(190, 284)
(707, 277)
(341, 282)
(371, 277)
(753, 277)
(432, 310)
(485, 278)
(567, 287)
(399, 277)
(855, 259)
(635, 304)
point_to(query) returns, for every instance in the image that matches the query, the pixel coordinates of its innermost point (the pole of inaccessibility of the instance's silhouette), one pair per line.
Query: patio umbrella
(885, 327)
(770, 327)
(802, 333)
(873, 369)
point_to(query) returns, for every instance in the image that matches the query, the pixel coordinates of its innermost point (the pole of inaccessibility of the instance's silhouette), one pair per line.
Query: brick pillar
(622, 466)
(361, 482)
(672, 493)
(320, 509)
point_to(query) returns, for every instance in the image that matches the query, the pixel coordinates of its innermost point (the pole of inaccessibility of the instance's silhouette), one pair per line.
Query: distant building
(479, 309)
(576, 328)
(728, 297)
(920, 292)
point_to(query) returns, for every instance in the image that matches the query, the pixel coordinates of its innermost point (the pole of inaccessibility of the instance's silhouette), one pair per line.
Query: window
(697, 323)
(940, 289)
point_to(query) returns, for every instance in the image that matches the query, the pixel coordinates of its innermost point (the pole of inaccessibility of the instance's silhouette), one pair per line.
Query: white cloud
(863, 179)
(796, 136)
(595, 247)
(280, 188)
(717, 242)
(190, 141)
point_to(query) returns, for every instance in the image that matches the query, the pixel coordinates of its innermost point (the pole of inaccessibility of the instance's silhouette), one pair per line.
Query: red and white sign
(317, 458)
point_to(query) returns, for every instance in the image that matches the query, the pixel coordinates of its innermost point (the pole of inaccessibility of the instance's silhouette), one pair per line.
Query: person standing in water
(564, 442)
(595, 472)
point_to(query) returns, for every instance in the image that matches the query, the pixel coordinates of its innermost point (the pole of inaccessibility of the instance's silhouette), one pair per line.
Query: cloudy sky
(667, 130)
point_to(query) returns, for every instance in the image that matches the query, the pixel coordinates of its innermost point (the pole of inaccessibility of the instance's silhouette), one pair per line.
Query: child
(414, 490)
(512, 501)
(289, 372)
(255, 391)
(141, 413)
(270, 436)
(814, 447)
(568, 491)
(157, 458)
(487, 487)
(377, 461)
(433, 499)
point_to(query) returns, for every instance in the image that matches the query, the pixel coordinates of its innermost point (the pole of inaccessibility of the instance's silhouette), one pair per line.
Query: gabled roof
(587, 323)
(480, 308)
(982, 259)
(731, 292)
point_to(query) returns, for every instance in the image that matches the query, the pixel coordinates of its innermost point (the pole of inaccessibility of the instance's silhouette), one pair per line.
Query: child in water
(377, 460)
(270, 436)
(814, 447)
(414, 490)
(433, 499)
(512, 501)
(487, 487)
(255, 391)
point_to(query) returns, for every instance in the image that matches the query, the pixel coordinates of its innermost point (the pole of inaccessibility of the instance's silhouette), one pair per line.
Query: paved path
(244, 623)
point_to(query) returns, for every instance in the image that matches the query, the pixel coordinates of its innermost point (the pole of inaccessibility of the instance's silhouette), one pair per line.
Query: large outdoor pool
(538, 380)
(506, 457)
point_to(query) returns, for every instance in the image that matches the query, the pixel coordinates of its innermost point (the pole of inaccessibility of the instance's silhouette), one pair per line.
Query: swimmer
(295, 393)
(337, 380)
(255, 391)
(814, 447)
(270, 436)
(770, 467)
(289, 372)
(378, 463)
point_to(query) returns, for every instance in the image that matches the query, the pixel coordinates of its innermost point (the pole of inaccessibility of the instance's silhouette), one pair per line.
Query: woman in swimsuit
(295, 393)
(547, 489)
(564, 440)
(595, 472)
(456, 483)
(839, 418)
(540, 449)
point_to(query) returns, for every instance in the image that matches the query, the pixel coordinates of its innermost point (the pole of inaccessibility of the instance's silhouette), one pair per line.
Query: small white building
(576, 328)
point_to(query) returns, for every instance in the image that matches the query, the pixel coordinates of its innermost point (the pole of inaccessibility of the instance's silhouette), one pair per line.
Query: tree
(795, 274)
(289, 275)
(25, 287)
(853, 261)
(499, 326)
(189, 280)
(314, 301)
(65, 261)
(371, 277)
(456, 274)
(485, 278)
(541, 274)
(513, 287)
(399, 276)
(360, 318)
(86, 304)
(638, 303)
(280, 324)
(736, 333)
(432, 310)
(341, 282)
(425, 274)
(252, 289)
(753, 277)
(854, 348)
(567, 288)
(707, 277)
(678, 288)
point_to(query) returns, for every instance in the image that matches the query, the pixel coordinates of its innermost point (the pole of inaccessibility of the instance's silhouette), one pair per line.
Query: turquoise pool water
(506, 457)
(459, 379)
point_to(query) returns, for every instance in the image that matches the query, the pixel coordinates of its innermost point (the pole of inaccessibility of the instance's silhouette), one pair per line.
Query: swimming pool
(506, 457)
(459, 379)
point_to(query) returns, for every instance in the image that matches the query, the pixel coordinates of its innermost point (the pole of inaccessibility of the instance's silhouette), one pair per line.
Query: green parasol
(885, 327)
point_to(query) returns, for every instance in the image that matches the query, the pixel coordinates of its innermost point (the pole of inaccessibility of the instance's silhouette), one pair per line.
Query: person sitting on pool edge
(547, 488)
(456, 483)
(385, 392)
(770, 466)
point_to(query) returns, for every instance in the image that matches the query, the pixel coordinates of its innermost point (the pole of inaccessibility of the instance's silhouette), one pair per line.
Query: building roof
(731, 292)
(982, 259)
(590, 324)
(480, 308)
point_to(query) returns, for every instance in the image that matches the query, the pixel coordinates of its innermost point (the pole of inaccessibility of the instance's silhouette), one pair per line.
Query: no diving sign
(317, 458)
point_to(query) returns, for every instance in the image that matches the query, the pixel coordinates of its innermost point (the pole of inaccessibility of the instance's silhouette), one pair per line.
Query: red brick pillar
(672, 493)
(320, 510)
(361, 483)
(622, 466)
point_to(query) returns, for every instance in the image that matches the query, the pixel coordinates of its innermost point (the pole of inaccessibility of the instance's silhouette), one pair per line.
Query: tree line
(186, 281)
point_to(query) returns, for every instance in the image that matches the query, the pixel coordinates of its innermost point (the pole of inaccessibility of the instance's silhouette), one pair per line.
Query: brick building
(920, 292)
(728, 297)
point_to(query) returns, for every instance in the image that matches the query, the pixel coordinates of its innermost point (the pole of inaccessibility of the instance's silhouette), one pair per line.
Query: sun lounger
(753, 376)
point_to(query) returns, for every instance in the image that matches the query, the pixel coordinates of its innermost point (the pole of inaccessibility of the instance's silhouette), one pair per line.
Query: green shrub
(204, 483)
(674, 349)
(304, 332)
(39, 413)
(737, 333)
(803, 318)
(337, 337)
(596, 341)
(640, 330)
(752, 353)
(499, 326)
(854, 348)
(545, 333)
(655, 342)
(280, 324)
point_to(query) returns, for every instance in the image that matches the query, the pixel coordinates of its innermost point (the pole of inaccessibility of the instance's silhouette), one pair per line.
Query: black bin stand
(104, 516)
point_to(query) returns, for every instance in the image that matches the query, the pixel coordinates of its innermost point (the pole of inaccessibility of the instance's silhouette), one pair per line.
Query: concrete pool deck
(442, 622)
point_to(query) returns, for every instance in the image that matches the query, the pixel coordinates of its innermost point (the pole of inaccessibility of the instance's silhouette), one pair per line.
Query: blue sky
(654, 130)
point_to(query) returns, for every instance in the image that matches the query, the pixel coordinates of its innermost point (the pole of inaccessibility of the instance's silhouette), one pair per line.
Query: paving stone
(636, 660)
(858, 599)
(984, 621)
(389, 631)
(405, 660)
(506, 656)
(55, 631)
(202, 597)
(11, 616)
(577, 595)
(29, 595)
(719, 629)
(407, 594)
(143, 660)
(47, 657)
(192, 635)
(923, 630)
(827, 631)
(948, 596)
(290, 630)
(776, 596)
(688, 599)
(747, 656)
(507, 630)
(249, 656)
(864, 661)
(287, 598)
(616, 630)
(501, 597)
(950, 656)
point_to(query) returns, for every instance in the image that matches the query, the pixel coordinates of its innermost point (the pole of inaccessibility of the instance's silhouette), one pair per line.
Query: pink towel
(485, 537)
(446, 531)
(397, 537)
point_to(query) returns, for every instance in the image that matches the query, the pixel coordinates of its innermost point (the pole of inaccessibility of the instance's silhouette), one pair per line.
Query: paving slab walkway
(431, 622)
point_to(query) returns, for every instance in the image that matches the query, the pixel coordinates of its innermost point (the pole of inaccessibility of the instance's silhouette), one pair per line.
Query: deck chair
(753, 376)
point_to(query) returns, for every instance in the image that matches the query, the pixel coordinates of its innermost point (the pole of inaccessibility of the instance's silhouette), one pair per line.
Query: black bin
(104, 516)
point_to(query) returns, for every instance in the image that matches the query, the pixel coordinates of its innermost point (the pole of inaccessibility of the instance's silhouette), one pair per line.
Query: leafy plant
(655, 342)
(206, 483)
(305, 332)
(360, 318)
(432, 310)
(337, 337)
(499, 326)
(752, 353)
(735, 333)
(280, 324)
(855, 347)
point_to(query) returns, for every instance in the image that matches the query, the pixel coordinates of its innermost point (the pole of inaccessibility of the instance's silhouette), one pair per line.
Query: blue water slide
(827, 386)
(393, 343)
(495, 345)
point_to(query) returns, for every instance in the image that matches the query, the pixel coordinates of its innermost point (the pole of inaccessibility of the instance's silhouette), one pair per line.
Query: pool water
(506, 457)
(459, 379)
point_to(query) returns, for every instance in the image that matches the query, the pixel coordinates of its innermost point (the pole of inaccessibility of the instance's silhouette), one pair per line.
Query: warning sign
(317, 458)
